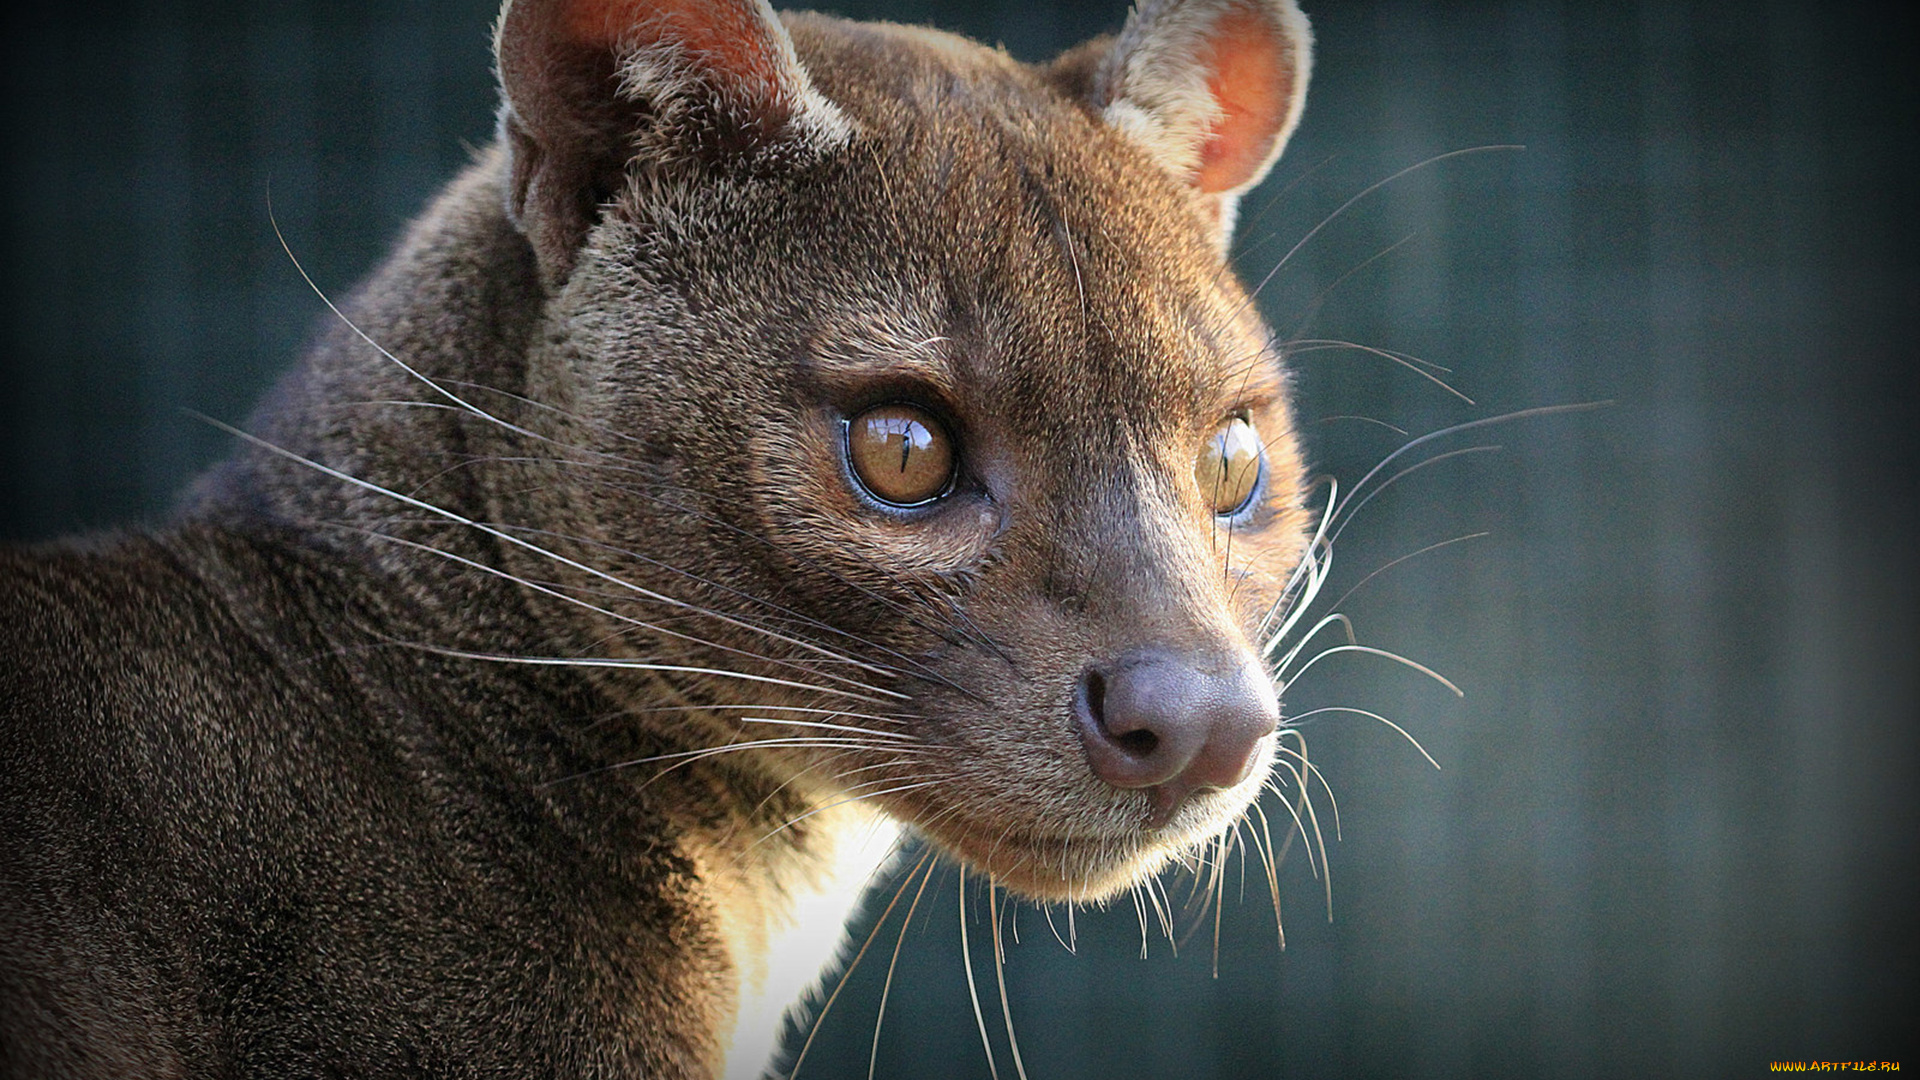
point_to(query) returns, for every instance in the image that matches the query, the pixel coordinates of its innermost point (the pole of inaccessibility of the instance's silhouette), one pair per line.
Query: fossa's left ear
(590, 87)
(1211, 89)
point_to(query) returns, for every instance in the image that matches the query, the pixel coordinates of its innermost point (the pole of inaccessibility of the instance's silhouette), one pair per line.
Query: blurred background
(1673, 829)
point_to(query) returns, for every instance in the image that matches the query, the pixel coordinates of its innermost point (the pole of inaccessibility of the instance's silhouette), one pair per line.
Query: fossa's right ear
(1211, 89)
(589, 87)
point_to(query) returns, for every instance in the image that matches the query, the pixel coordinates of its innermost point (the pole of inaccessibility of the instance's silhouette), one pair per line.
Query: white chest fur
(801, 935)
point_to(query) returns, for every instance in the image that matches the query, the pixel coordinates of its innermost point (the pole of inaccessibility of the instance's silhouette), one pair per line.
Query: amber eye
(1228, 468)
(900, 454)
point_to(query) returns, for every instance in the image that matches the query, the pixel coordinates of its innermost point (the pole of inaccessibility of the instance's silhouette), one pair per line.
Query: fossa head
(934, 394)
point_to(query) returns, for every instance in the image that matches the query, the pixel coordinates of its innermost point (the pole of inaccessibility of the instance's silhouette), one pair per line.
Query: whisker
(1409, 555)
(847, 974)
(1047, 911)
(1402, 474)
(973, 992)
(1080, 287)
(1295, 809)
(954, 620)
(1270, 860)
(1305, 582)
(1140, 909)
(647, 665)
(396, 403)
(886, 987)
(1313, 817)
(692, 609)
(631, 621)
(1335, 619)
(1395, 657)
(1241, 244)
(1000, 976)
(1319, 300)
(1344, 207)
(1162, 909)
(842, 802)
(890, 718)
(458, 401)
(1365, 419)
(687, 757)
(830, 727)
(1220, 889)
(1371, 716)
(1300, 348)
(1313, 771)
(920, 671)
(1404, 359)
(1470, 425)
(595, 425)
(499, 534)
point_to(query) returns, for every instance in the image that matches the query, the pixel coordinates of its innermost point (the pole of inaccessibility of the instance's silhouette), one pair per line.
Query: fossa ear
(590, 87)
(1211, 88)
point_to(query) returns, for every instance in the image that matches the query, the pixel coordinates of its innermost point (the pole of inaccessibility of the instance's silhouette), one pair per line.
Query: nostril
(1137, 742)
(1093, 695)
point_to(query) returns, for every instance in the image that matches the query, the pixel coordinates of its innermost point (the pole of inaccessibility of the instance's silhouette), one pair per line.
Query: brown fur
(287, 803)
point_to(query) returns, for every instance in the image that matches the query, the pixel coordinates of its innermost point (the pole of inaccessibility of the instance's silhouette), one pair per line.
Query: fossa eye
(1228, 468)
(900, 454)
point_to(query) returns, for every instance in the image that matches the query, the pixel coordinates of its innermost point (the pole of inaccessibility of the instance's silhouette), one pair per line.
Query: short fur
(326, 775)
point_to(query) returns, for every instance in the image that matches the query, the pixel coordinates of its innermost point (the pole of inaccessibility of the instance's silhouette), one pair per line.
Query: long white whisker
(1470, 425)
(1383, 485)
(880, 1016)
(1374, 420)
(1409, 555)
(1313, 306)
(687, 757)
(842, 802)
(603, 429)
(1313, 818)
(429, 382)
(1344, 207)
(785, 614)
(1371, 716)
(642, 665)
(500, 534)
(1162, 908)
(1000, 976)
(1305, 581)
(1294, 811)
(756, 744)
(848, 973)
(1046, 912)
(973, 992)
(1295, 348)
(900, 735)
(1395, 657)
(1270, 860)
(1313, 772)
(888, 718)
(1140, 909)
(1335, 619)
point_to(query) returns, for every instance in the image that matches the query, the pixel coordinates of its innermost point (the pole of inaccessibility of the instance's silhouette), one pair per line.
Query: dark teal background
(1674, 830)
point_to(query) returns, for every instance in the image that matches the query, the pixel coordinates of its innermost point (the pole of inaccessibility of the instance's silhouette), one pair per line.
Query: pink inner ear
(726, 37)
(1252, 81)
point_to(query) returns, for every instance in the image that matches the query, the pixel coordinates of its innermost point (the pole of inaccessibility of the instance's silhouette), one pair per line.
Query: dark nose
(1174, 724)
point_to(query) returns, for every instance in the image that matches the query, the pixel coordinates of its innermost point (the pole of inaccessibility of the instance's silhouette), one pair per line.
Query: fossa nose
(1174, 723)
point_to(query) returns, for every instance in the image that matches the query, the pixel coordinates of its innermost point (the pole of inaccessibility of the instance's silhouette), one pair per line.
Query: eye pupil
(900, 454)
(1228, 468)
